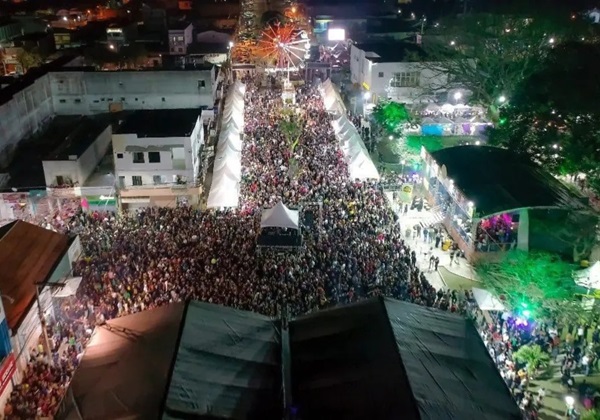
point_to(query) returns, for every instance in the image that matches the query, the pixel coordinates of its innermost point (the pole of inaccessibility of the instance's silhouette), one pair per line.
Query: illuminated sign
(336, 34)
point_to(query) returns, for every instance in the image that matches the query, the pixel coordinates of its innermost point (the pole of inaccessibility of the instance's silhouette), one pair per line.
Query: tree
(533, 356)
(28, 59)
(553, 117)
(540, 280)
(490, 54)
(593, 414)
(391, 115)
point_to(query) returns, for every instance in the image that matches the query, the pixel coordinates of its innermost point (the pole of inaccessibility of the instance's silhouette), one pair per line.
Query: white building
(181, 35)
(156, 155)
(395, 71)
(28, 105)
(85, 142)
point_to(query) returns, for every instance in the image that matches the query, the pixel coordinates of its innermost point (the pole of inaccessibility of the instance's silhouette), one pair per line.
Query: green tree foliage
(490, 54)
(540, 279)
(553, 117)
(533, 356)
(28, 59)
(593, 414)
(391, 115)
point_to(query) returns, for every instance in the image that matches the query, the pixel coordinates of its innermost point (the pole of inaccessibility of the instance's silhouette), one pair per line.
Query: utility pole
(43, 318)
(43, 323)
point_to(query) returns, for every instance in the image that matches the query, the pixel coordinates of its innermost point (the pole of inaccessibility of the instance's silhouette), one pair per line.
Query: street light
(502, 99)
(402, 162)
(458, 96)
(367, 96)
(391, 138)
(231, 44)
(551, 40)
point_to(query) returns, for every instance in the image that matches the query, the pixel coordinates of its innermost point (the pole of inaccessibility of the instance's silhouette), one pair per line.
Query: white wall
(79, 170)
(25, 114)
(125, 167)
(133, 89)
(366, 73)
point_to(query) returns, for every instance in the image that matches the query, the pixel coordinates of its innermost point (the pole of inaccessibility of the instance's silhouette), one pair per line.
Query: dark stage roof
(498, 180)
(378, 360)
(228, 366)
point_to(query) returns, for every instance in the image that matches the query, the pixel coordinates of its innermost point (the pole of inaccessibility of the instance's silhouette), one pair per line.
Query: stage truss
(283, 48)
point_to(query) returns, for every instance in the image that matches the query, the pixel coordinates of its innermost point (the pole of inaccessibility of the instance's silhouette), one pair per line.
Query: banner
(9, 366)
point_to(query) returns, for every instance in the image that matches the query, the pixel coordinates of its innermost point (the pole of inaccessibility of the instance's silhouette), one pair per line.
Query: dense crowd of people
(156, 256)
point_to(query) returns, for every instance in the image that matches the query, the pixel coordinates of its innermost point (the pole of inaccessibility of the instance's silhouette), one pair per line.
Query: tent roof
(451, 374)
(373, 359)
(498, 180)
(280, 216)
(380, 357)
(29, 254)
(125, 367)
(588, 277)
(486, 301)
(345, 365)
(228, 366)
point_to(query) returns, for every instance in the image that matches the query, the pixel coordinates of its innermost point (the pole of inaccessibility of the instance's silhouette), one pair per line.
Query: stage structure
(280, 229)
(284, 48)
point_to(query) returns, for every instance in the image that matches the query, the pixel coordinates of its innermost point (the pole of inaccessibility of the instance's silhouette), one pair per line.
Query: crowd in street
(156, 256)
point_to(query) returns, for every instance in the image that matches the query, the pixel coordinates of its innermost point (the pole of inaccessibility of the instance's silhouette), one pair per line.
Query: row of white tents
(227, 170)
(357, 156)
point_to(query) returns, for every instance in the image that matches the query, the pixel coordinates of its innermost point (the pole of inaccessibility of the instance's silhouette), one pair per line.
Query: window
(406, 79)
(122, 99)
(136, 99)
(96, 101)
(109, 99)
(77, 101)
(119, 155)
(201, 84)
(121, 182)
(62, 101)
(179, 50)
(136, 180)
(163, 99)
(380, 74)
(154, 157)
(138, 157)
(157, 179)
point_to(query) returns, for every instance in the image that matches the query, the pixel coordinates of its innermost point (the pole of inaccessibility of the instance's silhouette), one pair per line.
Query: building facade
(26, 106)
(181, 36)
(157, 158)
(395, 76)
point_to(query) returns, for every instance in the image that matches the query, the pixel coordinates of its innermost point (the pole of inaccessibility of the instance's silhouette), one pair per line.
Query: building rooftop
(33, 37)
(497, 180)
(392, 52)
(28, 255)
(32, 75)
(75, 134)
(179, 25)
(161, 123)
(201, 48)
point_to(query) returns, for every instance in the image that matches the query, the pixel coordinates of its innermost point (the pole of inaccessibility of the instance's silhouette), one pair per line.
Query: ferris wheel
(284, 47)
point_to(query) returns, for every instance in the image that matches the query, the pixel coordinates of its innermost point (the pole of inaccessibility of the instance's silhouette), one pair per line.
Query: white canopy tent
(357, 156)
(588, 277)
(486, 301)
(331, 98)
(227, 169)
(280, 216)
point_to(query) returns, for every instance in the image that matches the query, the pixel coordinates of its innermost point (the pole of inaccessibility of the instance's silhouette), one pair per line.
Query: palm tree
(533, 356)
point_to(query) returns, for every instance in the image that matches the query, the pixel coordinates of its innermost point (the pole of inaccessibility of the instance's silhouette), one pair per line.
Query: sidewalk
(460, 267)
